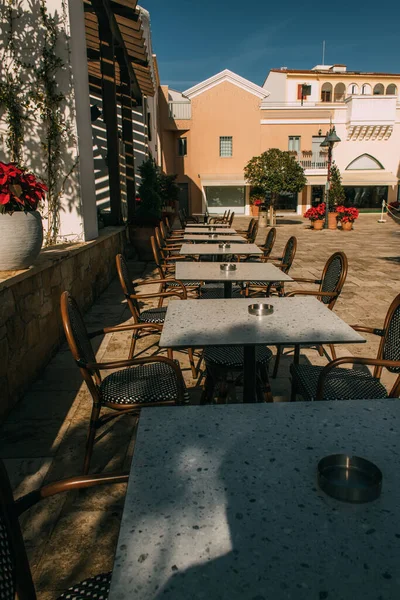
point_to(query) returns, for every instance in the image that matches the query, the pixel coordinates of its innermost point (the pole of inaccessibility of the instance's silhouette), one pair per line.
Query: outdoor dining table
(205, 225)
(215, 250)
(214, 237)
(227, 322)
(202, 215)
(245, 271)
(224, 229)
(223, 504)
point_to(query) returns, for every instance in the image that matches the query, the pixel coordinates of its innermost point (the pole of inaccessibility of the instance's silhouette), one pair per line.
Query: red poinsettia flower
(19, 190)
(316, 213)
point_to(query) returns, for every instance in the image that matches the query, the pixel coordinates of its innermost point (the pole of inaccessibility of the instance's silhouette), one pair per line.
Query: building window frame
(294, 143)
(225, 146)
(182, 146)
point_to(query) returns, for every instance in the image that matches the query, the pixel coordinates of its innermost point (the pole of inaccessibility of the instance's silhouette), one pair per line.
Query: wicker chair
(172, 232)
(165, 248)
(330, 287)
(166, 270)
(247, 231)
(223, 219)
(139, 382)
(224, 361)
(255, 287)
(188, 218)
(333, 383)
(16, 578)
(170, 235)
(151, 315)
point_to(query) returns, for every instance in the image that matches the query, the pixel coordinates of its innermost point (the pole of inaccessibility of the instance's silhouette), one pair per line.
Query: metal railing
(180, 110)
(314, 162)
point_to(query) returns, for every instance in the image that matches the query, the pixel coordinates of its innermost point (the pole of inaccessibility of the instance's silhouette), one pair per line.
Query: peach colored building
(210, 131)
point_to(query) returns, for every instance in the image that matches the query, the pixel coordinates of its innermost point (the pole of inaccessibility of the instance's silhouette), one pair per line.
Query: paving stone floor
(73, 536)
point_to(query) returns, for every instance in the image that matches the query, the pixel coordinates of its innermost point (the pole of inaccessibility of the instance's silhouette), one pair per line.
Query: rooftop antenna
(323, 52)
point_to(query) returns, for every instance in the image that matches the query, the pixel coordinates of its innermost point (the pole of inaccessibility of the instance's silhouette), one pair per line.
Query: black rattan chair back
(333, 278)
(269, 243)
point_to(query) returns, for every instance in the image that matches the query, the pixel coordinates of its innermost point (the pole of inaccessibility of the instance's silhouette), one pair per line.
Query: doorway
(183, 196)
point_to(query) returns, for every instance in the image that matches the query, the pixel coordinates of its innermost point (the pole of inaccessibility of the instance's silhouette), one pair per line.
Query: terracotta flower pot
(21, 238)
(347, 226)
(255, 210)
(319, 224)
(332, 220)
(140, 240)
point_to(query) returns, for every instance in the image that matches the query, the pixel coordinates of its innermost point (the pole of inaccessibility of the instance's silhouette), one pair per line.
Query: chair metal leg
(277, 361)
(90, 438)
(208, 390)
(293, 391)
(192, 365)
(133, 345)
(333, 351)
(223, 391)
(268, 397)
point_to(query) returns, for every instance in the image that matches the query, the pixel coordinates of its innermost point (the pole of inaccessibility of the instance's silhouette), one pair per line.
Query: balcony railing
(314, 161)
(180, 110)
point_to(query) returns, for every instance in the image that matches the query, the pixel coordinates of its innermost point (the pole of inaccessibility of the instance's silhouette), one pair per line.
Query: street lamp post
(330, 140)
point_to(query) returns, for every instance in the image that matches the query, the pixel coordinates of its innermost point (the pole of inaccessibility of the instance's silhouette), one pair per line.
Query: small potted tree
(169, 193)
(21, 231)
(275, 171)
(336, 196)
(147, 210)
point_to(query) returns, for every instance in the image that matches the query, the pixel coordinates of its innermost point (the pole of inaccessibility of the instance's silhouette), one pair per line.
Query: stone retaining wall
(30, 320)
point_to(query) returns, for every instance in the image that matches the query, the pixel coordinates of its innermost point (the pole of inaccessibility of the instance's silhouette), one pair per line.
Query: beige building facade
(209, 132)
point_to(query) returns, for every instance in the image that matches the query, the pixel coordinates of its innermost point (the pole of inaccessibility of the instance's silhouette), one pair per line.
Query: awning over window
(223, 179)
(358, 178)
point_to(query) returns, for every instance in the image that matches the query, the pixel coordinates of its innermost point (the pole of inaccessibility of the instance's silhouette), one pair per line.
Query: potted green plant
(169, 193)
(148, 209)
(21, 231)
(336, 196)
(316, 214)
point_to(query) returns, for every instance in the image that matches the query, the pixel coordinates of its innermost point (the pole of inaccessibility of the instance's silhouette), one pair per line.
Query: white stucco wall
(76, 182)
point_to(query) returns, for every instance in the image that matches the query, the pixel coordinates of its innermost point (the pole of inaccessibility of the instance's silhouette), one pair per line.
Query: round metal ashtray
(227, 267)
(224, 245)
(261, 309)
(349, 478)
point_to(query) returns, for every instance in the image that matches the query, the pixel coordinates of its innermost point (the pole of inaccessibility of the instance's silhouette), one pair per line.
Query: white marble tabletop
(224, 229)
(298, 320)
(245, 271)
(213, 249)
(204, 225)
(214, 237)
(223, 504)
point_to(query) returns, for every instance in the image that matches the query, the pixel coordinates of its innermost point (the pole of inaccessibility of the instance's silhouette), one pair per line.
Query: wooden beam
(107, 65)
(127, 135)
(105, 14)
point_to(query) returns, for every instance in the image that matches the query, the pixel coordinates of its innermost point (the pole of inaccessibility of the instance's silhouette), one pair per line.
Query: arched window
(379, 90)
(366, 89)
(340, 91)
(352, 90)
(365, 162)
(391, 90)
(326, 92)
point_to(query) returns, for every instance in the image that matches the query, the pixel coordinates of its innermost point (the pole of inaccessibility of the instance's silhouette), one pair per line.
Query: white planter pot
(21, 238)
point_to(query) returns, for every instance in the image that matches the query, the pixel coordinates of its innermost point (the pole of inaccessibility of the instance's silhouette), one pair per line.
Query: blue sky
(196, 39)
